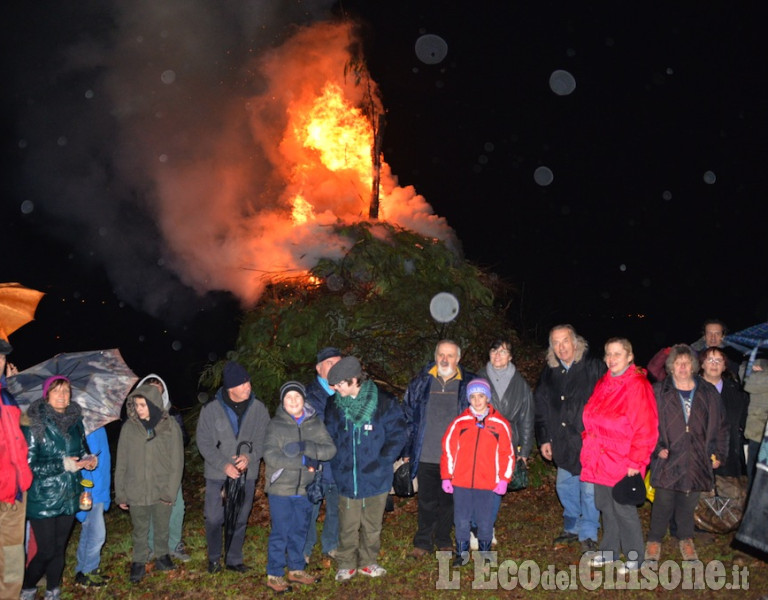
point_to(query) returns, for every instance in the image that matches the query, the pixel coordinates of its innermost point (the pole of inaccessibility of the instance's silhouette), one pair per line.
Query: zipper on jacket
(301, 469)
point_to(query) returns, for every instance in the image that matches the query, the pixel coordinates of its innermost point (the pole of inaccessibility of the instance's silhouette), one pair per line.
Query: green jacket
(150, 463)
(282, 429)
(54, 491)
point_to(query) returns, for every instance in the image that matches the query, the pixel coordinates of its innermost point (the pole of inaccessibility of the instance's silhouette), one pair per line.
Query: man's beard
(445, 372)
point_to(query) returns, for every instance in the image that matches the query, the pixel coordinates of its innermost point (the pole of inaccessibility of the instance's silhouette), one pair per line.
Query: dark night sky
(664, 94)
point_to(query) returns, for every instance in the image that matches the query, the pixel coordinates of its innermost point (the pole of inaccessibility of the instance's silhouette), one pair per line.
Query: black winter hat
(234, 375)
(5, 346)
(347, 368)
(630, 490)
(326, 353)
(292, 386)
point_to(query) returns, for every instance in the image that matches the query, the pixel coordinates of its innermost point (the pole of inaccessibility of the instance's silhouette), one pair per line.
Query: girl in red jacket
(477, 462)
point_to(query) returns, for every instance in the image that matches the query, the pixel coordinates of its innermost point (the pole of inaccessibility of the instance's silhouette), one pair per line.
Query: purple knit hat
(48, 382)
(479, 385)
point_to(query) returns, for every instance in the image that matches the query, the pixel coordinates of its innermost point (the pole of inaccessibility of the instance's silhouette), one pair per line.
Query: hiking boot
(653, 551)
(301, 577)
(419, 552)
(28, 594)
(564, 538)
(278, 584)
(688, 550)
(588, 545)
(92, 579)
(138, 571)
(164, 563)
(179, 553)
(373, 570)
(345, 574)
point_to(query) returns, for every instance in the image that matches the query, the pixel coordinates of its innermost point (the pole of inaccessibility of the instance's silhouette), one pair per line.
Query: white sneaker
(600, 559)
(345, 574)
(493, 541)
(628, 567)
(473, 545)
(373, 570)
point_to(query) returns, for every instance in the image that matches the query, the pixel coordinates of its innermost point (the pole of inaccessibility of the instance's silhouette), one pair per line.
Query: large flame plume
(232, 225)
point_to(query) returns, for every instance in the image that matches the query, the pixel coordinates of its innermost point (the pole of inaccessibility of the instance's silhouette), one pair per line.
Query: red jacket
(621, 426)
(15, 475)
(477, 457)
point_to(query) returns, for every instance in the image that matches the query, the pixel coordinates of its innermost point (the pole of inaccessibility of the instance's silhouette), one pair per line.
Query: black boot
(462, 554)
(138, 570)
(164, 563)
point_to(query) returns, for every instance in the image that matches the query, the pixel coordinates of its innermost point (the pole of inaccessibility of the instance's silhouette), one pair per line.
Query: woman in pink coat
(621, 427)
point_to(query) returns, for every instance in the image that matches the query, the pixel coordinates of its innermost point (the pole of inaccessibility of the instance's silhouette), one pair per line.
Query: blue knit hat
(234, 375)
(479, 386)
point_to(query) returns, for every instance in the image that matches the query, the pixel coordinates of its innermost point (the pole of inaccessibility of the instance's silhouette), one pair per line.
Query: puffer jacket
(288, 475)
(691, 446)
(516, 406)
(478, 457)
(560, 396)
(415, 406)
(54, 491)
(621, 427)
(362, 466)
(149, 466)
(15, 475)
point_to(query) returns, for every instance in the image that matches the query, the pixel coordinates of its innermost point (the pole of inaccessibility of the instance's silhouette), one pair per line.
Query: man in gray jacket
(234, 415)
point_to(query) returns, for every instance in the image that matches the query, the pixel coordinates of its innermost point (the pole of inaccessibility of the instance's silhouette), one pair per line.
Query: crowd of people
(603, 423)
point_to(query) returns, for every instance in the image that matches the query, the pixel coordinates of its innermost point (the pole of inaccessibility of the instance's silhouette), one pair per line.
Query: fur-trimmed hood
(580, 348)
(40, 414)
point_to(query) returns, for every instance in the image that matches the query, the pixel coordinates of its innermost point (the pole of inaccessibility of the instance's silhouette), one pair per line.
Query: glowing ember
(302, 210)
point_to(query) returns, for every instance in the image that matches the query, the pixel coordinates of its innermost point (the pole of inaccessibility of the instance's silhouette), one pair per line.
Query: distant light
(709, 177)
(168, 77)
(431, 49)
(27, 207)
(562, 82)
(543, 176)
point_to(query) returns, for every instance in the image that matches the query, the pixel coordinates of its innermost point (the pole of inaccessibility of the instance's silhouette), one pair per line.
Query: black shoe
(214, 566)
(241, 568)
(92, 579)
(588, 545)
(164, 563)
(565, 538)
(138, 570)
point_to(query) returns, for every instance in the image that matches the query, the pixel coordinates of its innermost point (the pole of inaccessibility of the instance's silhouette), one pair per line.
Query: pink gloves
(448, 486)
(500, 489)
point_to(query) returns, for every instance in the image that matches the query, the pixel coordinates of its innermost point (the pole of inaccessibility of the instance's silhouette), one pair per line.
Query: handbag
(316, 487)
(402, 483)
(519, 479)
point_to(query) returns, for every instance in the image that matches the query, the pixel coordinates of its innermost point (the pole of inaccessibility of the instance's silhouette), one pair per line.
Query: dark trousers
(214, 521)
(158, 516)
(474, 506)
(51, 536)
(622, 530)
(435, 510)
(669, 503)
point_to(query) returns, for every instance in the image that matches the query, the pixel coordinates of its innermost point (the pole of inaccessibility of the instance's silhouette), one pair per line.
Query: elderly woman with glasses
(692, 442)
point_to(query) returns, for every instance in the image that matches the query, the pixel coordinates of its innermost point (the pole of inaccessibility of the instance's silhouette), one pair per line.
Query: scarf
(41, 413)
(500, 378)
(360, 410)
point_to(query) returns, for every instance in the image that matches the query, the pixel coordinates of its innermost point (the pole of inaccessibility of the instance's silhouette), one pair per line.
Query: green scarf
(360, 410)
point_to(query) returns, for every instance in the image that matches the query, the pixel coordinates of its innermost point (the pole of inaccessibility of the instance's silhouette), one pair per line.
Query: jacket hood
(166, 397)
(151, 394)
(580, 349)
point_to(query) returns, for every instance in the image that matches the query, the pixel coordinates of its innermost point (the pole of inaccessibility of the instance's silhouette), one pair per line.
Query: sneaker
(54, 594)
(494, 541)
(301, 577)
(278, 584)
(473, 543)
(92, 579)
(138, 571)
(373, 570)
(588, 545)
(214, 566)
(688, 550)
(28, 594)
(179, 553)
(653, 551)
(601, 559)
(565, 537)
(345, 574)
(628, 567)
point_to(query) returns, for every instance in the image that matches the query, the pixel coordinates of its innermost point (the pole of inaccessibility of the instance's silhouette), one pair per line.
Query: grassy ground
(527, 522)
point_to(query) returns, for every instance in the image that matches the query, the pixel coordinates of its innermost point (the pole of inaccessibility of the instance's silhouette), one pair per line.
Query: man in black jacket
(565, 385)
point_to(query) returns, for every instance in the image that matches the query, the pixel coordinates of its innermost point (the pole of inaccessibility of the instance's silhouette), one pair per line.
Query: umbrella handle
(241, 444)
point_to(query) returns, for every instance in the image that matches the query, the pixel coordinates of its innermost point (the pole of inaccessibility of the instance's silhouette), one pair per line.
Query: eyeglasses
(715, 361)
(501, 351)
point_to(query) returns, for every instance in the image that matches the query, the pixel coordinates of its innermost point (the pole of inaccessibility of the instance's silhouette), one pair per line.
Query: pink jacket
(621, 427)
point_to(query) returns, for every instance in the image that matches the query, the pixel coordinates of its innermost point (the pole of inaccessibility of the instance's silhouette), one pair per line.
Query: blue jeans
(580, 516)
(92, 536)
(474, 506)
(290, 521)
(329, 539)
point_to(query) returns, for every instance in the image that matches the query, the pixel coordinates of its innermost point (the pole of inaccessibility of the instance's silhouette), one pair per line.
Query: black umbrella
(234, 494)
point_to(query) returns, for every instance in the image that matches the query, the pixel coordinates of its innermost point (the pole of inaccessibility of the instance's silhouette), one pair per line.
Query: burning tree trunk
(378, 135)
